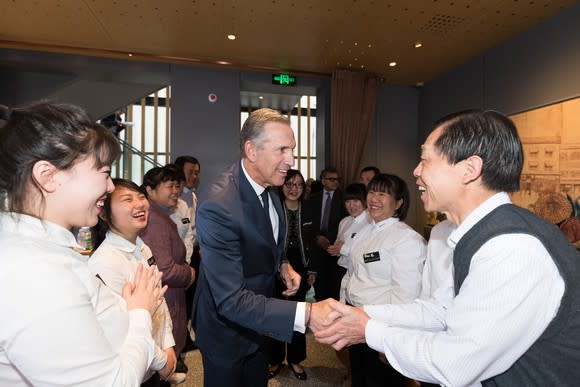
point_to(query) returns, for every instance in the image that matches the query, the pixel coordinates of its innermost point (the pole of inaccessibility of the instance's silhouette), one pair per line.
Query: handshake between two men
(332, 322)
(337, 324)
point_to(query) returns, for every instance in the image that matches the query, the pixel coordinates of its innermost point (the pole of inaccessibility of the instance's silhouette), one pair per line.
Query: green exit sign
(283, 79)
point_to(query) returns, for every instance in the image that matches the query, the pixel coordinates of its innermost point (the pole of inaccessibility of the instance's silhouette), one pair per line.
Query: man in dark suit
(327, 212)
(240, 230)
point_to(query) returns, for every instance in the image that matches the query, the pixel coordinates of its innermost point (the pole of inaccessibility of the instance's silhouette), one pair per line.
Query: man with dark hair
(240, 227)
(327, 212)
(515, 318)
(367, 174)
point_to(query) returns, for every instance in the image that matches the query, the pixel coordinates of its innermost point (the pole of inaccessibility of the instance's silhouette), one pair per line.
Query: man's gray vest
(554, 359)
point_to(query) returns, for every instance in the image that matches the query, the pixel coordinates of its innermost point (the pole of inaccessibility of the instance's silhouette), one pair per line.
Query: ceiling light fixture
(130, 54)
(418, 44)
(392, 64)
(223, 62)
(232, 37)
(260, 97)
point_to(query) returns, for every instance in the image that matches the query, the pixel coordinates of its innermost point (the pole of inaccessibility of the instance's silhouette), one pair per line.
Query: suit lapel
(253, 208)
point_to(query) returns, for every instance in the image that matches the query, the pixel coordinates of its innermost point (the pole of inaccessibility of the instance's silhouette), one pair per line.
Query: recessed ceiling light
(130, 54)
(370, 45)
(392, 64)
(261, 97)
(223, 62)
(418, 44)
(232, 37)
(355, 43)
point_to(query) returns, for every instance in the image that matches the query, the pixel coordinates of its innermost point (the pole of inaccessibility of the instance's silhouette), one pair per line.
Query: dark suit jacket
(337, 212)
(232, 309)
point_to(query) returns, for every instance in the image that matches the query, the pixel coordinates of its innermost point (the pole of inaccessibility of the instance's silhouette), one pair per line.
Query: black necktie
(326, 213)
(265, 201)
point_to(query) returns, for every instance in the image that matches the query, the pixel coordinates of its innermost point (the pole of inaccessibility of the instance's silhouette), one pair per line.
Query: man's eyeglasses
(294, 185)
(333, 179)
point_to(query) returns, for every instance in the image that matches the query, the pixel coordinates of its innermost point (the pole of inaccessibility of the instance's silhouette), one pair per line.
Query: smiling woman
(163, 188)
(54, 175)
(119, 256)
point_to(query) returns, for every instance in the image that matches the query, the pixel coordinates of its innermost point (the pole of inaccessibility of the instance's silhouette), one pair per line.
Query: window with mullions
(145, 140)
(303, 123)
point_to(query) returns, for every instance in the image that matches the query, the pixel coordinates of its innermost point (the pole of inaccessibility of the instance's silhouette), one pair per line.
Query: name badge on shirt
(151, 261)
(185, 221)
(372, 257)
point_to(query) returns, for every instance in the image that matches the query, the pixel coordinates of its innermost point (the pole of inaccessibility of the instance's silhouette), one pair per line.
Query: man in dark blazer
(240, 230)
(328, 273)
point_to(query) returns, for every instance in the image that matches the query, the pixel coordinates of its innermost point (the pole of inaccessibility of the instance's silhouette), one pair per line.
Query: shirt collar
(476, 215)
(362, 216)
(123, 244)
(385, 223)
(30, 226)
(257, 187)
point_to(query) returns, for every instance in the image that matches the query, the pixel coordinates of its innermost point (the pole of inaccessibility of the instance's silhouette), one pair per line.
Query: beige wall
(551, 139)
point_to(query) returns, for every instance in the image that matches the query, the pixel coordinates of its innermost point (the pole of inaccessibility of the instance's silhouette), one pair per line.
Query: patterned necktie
(326, 213)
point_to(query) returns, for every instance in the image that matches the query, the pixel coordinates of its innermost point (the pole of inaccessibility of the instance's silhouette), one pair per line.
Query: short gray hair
(252, 130)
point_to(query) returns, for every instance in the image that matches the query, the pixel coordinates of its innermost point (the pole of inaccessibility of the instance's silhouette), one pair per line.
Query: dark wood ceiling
(311, 36)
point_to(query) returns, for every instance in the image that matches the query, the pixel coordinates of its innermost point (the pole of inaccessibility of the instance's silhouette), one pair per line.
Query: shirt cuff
(374, 332)
(300, 317)
(381, 313)
(141, 318)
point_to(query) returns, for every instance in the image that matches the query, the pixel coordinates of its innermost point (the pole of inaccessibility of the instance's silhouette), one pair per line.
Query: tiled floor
(322, 366)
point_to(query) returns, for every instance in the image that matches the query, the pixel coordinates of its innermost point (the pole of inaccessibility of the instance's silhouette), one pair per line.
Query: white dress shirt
(437, 290)
(348, 227)
(116, 261)
(189, 196)
(387, 262)
(181, 215)
(59, 325)
(512, 292)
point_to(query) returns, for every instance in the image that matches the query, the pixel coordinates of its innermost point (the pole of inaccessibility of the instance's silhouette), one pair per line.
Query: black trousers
(153, 381)
(190, 292)
(368, 371)
(328, 277)
(250, 371)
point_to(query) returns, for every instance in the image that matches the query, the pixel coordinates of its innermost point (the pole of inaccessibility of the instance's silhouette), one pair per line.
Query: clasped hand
(337, 324)
(145, 292)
